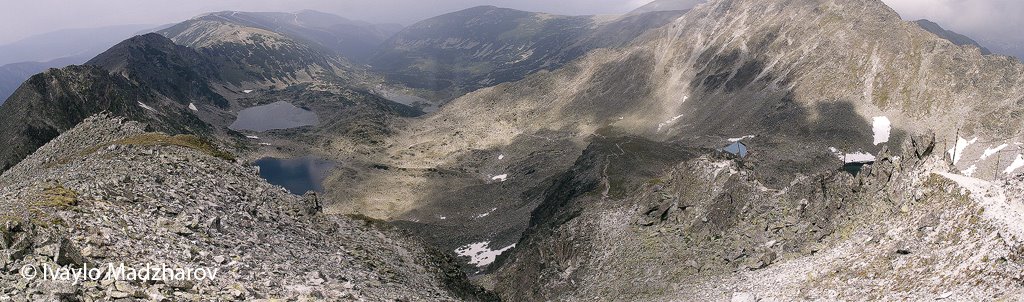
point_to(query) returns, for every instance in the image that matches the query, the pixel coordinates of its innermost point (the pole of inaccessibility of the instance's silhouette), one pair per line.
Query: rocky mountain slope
(55, 101)
(709, 230)
(146, 78)
(108, 192)
(483, 46)
(354, 40)
(253, 57)
(805, 84)
(175, 71)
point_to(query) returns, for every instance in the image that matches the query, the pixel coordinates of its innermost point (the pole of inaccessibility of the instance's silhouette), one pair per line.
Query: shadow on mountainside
(732, 96)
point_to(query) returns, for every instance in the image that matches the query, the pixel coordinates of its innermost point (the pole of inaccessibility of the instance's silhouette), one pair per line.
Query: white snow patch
(733, 140)
(486, 214)
(501, 156)
(858, 157)
(480, 253)
(247, 91)
(500, 178)
(193, 107)
(146, 107)
(1017, 164)
(970, 171)
(993, 199)
(442, 217)
(264, 144)
(669, 121)
(252, 137)
(882, 128)
(958, 151)
(990, 152)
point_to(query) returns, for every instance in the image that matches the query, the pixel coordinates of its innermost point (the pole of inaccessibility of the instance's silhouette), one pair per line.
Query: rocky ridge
(56, 100)
(107, 192)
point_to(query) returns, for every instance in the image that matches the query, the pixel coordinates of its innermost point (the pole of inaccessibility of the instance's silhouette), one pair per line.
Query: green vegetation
(39, 210)
(160, 139)
(57, 196)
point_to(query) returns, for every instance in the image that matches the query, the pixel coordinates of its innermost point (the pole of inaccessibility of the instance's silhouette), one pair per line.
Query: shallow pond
(298, 175)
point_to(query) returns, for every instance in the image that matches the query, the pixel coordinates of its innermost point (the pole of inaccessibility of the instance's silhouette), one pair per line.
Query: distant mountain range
(949, 35)
(354, 40)
(32, 55)
(68, 43)
(12, 75)
(483, 46)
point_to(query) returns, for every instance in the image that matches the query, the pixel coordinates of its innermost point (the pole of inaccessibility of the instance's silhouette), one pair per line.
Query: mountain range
(954, 37)
(21, 59)
(728, 150)
(484, 46)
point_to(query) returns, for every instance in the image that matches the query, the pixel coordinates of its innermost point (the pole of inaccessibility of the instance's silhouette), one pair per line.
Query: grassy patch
(160, 139)
(58, 197)
(39, 209)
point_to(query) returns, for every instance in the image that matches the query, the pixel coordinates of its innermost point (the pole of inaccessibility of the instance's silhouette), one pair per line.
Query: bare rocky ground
(708, 230)
(106, 192)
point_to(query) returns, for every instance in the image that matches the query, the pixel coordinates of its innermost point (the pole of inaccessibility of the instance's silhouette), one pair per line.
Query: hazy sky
(22, 18)
(976, 18)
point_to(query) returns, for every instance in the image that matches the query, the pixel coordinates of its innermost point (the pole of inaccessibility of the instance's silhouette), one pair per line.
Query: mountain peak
(327, 33)
(175, 71)
(951, 36)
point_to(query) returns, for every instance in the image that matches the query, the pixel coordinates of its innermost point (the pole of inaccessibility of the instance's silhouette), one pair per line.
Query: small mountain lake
(278, 115)
(298, 175)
